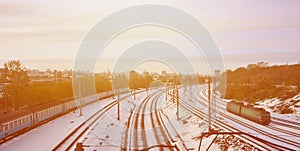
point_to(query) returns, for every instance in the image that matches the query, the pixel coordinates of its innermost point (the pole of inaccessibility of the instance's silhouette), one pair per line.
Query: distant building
(48, 75)
(33, 73)
(164, 73)
(67, 74)
(217, 73)
(155, 75)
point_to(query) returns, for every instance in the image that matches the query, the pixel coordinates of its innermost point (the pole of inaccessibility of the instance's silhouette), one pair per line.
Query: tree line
(260, 81)
(18, 92)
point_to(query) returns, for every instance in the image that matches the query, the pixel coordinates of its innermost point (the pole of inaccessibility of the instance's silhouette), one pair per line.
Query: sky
(245, 31)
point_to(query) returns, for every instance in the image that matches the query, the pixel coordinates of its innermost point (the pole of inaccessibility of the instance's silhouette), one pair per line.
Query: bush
(287, 111)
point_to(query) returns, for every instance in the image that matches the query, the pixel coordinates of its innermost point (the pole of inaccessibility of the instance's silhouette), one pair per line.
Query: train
(258, 115)
(18, 121)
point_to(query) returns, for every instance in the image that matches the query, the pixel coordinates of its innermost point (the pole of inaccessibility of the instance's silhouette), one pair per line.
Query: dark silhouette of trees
(15, 80)
(156, 83)
(133, 80)
(102, 84)
(119, 81)
(137, 80)
(148, 79)
(260, 81)
(42, 92)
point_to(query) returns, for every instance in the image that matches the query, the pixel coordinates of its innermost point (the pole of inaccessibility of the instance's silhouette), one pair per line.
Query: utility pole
(80, 106)
(173, 93)
(146, 81)
(210, 130)
(190, 91)
(209, 104)
(166, 91)
(177, 100)
(118, 104)
(133, 87)
(133, 90)
(80, 99)
(117, 85)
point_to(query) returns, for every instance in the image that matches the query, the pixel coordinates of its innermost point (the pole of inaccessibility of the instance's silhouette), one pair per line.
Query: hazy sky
(245, 31)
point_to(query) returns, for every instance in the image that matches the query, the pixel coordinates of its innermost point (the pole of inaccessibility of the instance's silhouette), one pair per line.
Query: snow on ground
(288, 109)
(108, 135)
(187, 129)
(193, 125)
(222, 142)
(44, 137)
(109, 132)
(241, 127)
(47, 136)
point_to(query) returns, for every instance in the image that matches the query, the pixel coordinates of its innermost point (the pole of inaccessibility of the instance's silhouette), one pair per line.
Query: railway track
(263, 132)
(139, 130)
(142, 124)
(160, 124)
(294, 127)
(263, 145)
(132, 127)
(291, 124)
(275, 137)
(70, 140)
(259, 143)
(291, 133)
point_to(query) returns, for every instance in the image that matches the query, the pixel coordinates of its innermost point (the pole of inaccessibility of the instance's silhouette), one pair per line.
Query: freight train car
(249, 112)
